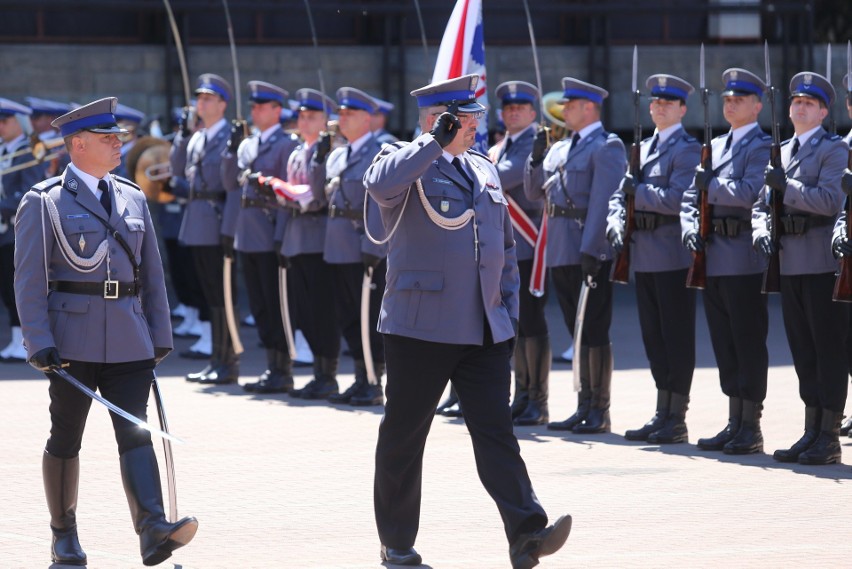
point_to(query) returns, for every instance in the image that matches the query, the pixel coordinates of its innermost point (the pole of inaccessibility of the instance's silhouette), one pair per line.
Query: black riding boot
(584, 397)
(357, 386)
(215, 355)
(324, 382)
(826, 448)
(749, 439)
(538, 359)
(735, 411)
(522, 378)
(600, 378)
(61, 480)
(228, 370)
(812, 425)
(370, 394)
(279, 376)
(674, 427)
(157, 536)
(656, 422)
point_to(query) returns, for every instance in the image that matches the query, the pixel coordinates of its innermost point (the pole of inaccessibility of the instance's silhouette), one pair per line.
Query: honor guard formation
(430, 260)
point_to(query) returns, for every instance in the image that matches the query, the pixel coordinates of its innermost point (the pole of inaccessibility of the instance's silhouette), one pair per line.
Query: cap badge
(808, 79)
(662, 82)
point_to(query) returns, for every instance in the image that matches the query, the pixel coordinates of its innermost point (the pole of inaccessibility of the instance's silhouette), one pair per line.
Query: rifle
(843, 284)
(697, 275)
(772, 276)
(621, 267)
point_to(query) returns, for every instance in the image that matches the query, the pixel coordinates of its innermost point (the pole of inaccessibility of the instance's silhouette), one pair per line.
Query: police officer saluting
(735, 308)
(449, 310)
(659, 259)
(96, 305)
(812, 163)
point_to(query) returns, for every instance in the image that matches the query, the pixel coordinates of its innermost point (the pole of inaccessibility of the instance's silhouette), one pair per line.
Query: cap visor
(108, 130)
(472, 108)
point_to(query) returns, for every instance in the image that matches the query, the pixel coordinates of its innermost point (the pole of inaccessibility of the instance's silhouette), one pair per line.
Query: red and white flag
(462, 52)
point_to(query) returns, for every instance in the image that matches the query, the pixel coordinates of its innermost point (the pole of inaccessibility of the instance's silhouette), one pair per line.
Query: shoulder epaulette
(764, 135)
(834, 137)
(688, 137)
(47, 184)
(388, 148)
(124, 180)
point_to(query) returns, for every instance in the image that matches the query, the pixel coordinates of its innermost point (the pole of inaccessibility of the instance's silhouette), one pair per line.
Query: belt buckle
(110, 289)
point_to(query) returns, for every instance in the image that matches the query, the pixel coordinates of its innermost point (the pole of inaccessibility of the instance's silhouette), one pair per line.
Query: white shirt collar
(264, 136)
(803, 138)
(590, 128)
(666, 133)
(214, 128)
(90, 181)
(520, 133)
(740, 132)
(357, 144)
(12, 144)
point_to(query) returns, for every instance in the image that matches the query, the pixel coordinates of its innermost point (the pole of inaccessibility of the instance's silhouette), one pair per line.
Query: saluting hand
(445, 128)
(776, 178)
(539, 148)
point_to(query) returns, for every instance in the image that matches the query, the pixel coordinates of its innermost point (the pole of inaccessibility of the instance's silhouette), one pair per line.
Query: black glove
(6, 214)
(263, 189)
(283, 261)
(160, 354)
(539, 149)
(628, 185)
(370, 261)
(46, 360)
(693, 242)
(765, 245)
(323, 147)
(846, 181)
(776, 178)
(702, 179)
(185, 122)
(841, 247)
(238, 133)
(590, 265)
(228, 246)
(615, 236)
(445, 128)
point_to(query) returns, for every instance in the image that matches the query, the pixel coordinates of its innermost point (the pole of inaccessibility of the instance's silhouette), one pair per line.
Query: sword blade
(285, 312)
(115, 408)
(701, 66)
(578, 330)
(229, 306)
(366, 287)
(184, 73)
(167, 451)
(237, 85)
(766, 64)
(634, 81)
(535, 53)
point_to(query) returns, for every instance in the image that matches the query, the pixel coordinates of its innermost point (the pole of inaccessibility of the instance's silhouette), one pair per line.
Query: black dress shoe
(368, 396)
(401, 556)
(529, 547)
(454, 410)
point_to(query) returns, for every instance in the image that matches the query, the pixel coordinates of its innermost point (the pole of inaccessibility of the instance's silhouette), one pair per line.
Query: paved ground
(280, 483)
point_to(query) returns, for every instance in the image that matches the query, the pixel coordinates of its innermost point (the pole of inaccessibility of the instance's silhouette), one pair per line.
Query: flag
(462, 52)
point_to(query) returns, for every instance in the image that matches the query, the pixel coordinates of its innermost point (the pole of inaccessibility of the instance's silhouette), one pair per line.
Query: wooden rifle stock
(621, 267)
(843, 284)
(772, 276)
(697, 275)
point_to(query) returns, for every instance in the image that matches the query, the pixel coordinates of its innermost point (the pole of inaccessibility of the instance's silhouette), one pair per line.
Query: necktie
(506, 146)
(105, 201)
(795, 149)
(728, 142)
(653, 146)
(457, 163)
(348, 154)
(575, 140)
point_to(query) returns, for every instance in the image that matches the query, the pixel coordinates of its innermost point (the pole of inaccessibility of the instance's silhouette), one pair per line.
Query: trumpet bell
(148, 167)
(551, 108)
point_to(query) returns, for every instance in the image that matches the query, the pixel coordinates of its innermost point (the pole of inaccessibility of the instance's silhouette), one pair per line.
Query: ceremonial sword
(588, 283)
(366, 347)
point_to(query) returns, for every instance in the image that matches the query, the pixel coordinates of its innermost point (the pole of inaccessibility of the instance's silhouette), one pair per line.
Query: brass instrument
(40, 151)
(148, 167)
(551, 108)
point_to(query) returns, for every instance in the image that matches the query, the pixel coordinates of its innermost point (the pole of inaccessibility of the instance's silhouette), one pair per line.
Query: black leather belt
(106, 289)
(334, 211)
(798, 224)
(217, 196)
(253, 202)
(649, 221)
(730, 226)
(318, 213)
(554, 210)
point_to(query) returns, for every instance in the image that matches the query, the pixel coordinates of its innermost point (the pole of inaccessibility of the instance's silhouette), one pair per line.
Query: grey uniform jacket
(255, 225)
(813, 188)
(82, 327)
(665, 176)
(510, 168)
(440, 287)
(732, 194)
(585, 179)
(202, 219)
(840, 224)
(302, 232)
(341, 182)
(13, 186)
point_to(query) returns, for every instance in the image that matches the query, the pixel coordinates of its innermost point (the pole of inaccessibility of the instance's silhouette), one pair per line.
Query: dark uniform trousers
(264, 294)
(183, 277)
(125, 384)
(816, 329)
(310, 284)
(208, 267)
(667, 320)
(567, 281)
(531, 321)
(738, 321)
(349, 278)
(418, 372)
(7, 279)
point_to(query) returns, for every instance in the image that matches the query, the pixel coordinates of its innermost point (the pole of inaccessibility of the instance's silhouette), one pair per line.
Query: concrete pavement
(283, 483)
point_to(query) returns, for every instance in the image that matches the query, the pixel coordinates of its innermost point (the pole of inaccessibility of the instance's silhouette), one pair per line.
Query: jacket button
(63, 305)
(417, 284)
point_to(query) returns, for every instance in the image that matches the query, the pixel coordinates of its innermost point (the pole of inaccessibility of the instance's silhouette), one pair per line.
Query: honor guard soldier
(130, 120)
(199, 155)
(841, 246)
(532, 346)
(658, 258)
(450, 311)
(89, 281)
(43, 113)
(15, 151)
(577, 177)
(378, 122)
(812, 164)
(735, 308)
(339, 181)
(266, 152)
